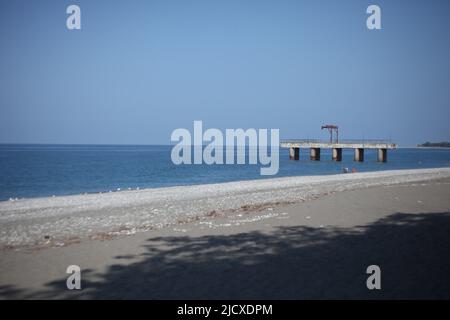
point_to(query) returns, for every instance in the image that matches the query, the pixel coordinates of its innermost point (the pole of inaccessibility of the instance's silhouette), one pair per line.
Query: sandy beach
(299, 237)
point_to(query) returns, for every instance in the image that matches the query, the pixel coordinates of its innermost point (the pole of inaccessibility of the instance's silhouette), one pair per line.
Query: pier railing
(341, 141)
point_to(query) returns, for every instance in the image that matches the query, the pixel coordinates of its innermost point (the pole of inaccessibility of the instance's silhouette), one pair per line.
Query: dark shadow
(413, 251)
(10, 291)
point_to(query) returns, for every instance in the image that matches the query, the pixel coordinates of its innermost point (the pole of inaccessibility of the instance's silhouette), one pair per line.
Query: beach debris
(308, 217)
(254, 219)
(269, 209)
(118, 189)
(211, 213)
(419, 201)
(47, 237)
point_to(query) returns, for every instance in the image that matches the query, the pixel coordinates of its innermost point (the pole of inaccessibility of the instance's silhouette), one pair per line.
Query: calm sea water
(45, 170)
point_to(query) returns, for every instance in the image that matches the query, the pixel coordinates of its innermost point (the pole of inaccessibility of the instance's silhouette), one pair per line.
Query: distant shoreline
(442, 144)
(446, 148)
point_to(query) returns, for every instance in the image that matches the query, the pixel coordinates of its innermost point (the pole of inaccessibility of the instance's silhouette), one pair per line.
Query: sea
(50, 170)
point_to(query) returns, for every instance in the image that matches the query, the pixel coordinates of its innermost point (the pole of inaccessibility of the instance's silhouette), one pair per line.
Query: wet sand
(317, 248)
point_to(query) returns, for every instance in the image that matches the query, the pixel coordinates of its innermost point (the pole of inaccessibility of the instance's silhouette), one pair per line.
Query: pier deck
(358, 145)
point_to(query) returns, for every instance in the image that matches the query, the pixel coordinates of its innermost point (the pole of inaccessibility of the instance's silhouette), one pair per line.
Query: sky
(137, 70)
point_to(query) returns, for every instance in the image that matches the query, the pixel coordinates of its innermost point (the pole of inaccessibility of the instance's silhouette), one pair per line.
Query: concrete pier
(337, 154)
(315, 154)
(382, 155)
(294, 153)
(359, 154)
(357, 145)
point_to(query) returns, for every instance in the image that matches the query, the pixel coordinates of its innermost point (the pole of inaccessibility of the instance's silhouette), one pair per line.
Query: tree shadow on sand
(412, 250)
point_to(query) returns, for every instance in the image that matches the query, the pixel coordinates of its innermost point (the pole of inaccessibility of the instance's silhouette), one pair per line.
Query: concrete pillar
(294, 153)
(315, 154)
(382, 155)
(337, 154)
(359, 154)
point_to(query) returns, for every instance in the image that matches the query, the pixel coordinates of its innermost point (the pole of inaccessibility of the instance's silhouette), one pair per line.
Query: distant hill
(427, 144)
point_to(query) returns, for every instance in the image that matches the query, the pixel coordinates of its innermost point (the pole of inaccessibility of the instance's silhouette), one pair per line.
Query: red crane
(331, 128)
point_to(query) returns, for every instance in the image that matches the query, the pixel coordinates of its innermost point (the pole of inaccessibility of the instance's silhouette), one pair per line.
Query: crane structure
(331, 128)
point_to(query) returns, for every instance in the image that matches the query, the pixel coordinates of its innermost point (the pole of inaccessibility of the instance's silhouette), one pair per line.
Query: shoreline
(59, 221)
(216, 184)
(114, 190)
(316, 249)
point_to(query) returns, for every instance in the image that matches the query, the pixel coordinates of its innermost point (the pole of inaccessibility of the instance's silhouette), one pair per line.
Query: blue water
(45, 170)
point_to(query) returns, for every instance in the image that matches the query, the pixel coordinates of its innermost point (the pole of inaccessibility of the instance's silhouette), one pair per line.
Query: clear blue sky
(139, 69)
